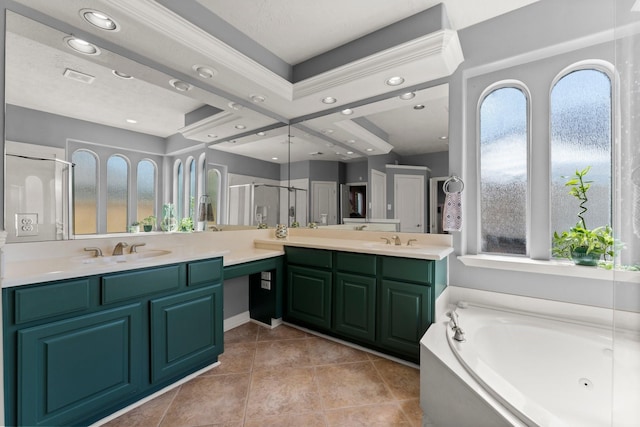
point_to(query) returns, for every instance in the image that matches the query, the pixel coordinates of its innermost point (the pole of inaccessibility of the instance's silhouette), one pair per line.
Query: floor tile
(281, 392)
(402, 380)
(413, 411)
(146, 415)
(282, 332)
(351, 384)
(209, 400)
(243, 333)
(237, 358)
(324, 352)
(281, 354)
(315, 419)
(383, 415)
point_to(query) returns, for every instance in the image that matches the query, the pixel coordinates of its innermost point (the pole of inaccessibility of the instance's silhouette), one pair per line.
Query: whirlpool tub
(524, 370)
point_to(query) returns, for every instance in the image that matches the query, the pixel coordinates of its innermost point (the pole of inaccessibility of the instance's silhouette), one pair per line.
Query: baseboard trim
(237, 320)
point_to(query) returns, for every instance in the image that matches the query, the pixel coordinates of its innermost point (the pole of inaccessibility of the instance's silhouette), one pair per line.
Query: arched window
(191, 194)
(580, 116)
(146, 186)
(117, 194)
(178, 188)
(85, 192)
(503, 118)
(214, 183)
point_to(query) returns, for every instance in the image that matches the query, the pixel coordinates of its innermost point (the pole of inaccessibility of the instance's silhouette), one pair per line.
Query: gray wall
(356, 172)
(243, 165)
(437, 162)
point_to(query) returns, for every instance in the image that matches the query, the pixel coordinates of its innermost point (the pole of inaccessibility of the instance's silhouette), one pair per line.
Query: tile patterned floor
(285, 377)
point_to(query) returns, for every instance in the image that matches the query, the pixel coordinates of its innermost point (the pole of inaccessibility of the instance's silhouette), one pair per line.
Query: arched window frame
(99, 205)
(155, 188)
(521, 86)
(128, 220)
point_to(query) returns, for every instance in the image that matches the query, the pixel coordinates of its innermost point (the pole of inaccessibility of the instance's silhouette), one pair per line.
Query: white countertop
(29, 263)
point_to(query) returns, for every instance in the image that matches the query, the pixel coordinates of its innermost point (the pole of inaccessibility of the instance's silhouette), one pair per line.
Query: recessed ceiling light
(180, 85)
(240, 127)
(369, 149)
(204, 72)
(212, 136)
(347, 111)
(132, 121)
(99, 19)
(444, 137)
(235, 106)
(121, 74)
(274, 158)
(337, 153)
(351, 141)
(408, 95)
(329, 100)
(82, 46)
(257, 98)
(418, 107)
(261, 133)
(394, 81)
(349, 152)
(327, 131)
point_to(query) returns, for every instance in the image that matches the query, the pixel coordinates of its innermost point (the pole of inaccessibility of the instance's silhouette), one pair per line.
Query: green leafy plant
(186, 224)
(149, 220)
(585, 246)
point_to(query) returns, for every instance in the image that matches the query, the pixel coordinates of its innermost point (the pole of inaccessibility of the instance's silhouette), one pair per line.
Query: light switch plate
(26, 224)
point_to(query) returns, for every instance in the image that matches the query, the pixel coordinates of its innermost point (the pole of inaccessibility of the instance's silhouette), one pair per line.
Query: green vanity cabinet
(78, 350)
(185, 330)
(382, 302)
(70, 369)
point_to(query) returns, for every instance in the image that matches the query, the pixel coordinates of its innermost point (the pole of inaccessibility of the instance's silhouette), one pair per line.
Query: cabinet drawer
(51, 300)
(411, 270)
(123, 286)
(202, 272)
(356, 263)
(309, 257)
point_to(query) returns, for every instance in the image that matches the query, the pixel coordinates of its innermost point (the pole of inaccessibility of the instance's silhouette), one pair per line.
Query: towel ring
(446, 187)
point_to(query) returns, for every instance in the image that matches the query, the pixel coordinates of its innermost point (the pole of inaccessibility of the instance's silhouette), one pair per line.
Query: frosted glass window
(85, 193)
(580, 137)
(180, 191)
(213, 187)
(503, 171)
(146, 189)
(192, 188)
(117, 194)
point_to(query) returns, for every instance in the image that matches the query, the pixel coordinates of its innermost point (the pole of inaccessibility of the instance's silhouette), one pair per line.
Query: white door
(409, 202)
(324, 200)
(378, 194)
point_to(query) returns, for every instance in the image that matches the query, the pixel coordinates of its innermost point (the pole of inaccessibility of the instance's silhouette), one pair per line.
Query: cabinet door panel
(309, 296)
(70, 369)
(355, 313)
(186, 331)
(405, 316)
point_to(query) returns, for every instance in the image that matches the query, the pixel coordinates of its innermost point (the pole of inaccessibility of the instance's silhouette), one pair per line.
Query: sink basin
(392, 247)
(118, 259)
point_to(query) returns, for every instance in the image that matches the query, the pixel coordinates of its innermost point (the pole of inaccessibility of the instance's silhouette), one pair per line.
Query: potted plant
(148, 223)
(135, 227)
(583, 245)
(186, 224)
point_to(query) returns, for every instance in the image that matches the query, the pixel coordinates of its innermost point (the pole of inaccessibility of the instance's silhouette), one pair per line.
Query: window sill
(558, 268)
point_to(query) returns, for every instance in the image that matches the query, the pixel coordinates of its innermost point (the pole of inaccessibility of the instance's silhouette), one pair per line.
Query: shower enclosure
(254, 204)
(38, 194)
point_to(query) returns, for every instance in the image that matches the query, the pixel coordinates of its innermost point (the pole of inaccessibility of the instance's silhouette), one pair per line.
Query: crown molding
(441, 48)
(378, 144)
(198, 131)
(165, 21)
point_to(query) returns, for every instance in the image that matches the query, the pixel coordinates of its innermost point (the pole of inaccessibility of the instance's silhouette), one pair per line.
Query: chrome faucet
(134, 246)
(360, 227)
(396, 240)
(118, 249)
(96, 251)
(458, 334)
(411, 240)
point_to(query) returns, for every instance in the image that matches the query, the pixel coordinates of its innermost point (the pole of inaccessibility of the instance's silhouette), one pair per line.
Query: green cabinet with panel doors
(381, 302)
(77, 350)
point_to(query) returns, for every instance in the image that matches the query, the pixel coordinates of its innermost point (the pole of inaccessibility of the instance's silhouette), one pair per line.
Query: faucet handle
(134, 246)
(96, 251)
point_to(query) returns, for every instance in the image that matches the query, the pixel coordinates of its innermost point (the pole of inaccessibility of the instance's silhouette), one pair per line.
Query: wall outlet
(265, 284)
(26, 224)
(265, 275)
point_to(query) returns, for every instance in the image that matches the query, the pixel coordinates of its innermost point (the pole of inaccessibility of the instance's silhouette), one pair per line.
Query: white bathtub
(536, 371)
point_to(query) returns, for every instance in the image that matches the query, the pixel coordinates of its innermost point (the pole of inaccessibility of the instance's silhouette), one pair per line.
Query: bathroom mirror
(101, 103)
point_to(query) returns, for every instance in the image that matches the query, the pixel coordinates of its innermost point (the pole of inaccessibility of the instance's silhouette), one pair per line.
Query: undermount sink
(117, 259)
(392, 247)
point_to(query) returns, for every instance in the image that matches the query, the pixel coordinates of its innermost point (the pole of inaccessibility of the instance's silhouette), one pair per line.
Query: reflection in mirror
(120, 121)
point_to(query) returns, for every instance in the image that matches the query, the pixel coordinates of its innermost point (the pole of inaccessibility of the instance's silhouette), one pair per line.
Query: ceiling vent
(78, 76)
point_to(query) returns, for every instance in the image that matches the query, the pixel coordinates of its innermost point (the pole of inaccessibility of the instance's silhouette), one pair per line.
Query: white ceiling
(292, 29)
